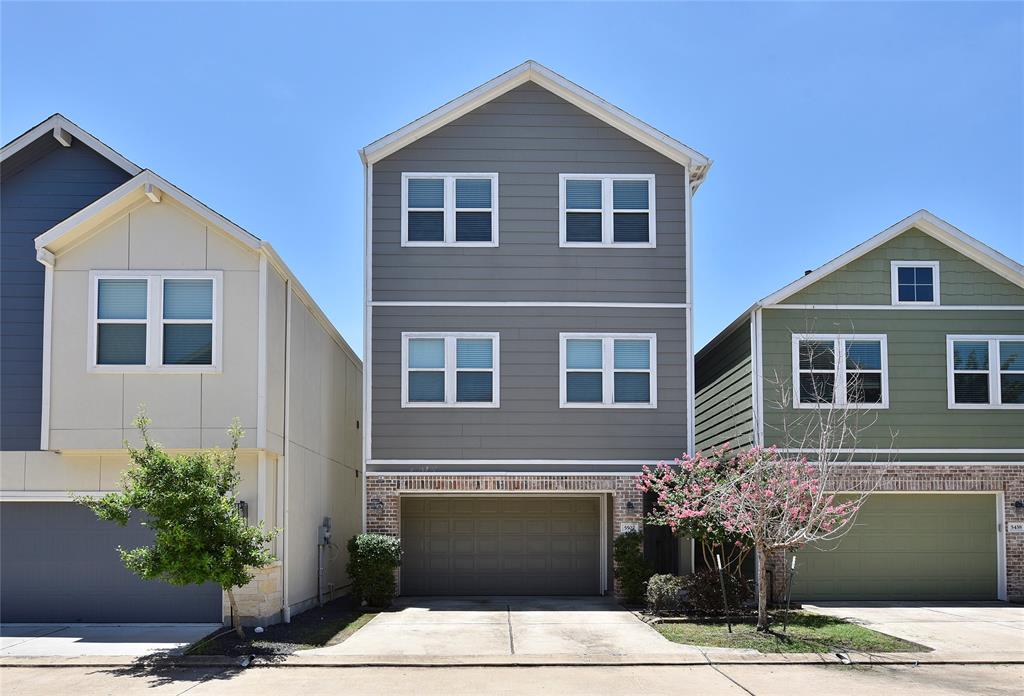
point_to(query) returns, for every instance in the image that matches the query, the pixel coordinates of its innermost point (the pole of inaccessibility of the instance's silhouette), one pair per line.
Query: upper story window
(155, 321)
(608, 370)
(985, 371)
(915, 282)
(599, 210)
(450, 369)
(840, 370)
(449, 209)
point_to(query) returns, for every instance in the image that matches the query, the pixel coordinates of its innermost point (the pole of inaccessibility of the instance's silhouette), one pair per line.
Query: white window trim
(449, 208)
(839, 390)
(155, 322)
(450, 369)
(608, 211)
(895, 284)
(994, 371)
(607, 369)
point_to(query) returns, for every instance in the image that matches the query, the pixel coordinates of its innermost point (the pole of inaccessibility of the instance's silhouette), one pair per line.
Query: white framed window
(450, 369)
(154, 321)
(915, 282)
(449, 209)
(849, 370)
(602, 210)
(617, 370)
(985, 371)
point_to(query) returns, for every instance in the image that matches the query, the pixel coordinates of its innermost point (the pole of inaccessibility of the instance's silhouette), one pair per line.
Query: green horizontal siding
(723, 407)
(867, 279)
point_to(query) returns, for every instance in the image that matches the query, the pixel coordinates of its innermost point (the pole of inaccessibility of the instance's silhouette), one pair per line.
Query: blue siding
(39, 186)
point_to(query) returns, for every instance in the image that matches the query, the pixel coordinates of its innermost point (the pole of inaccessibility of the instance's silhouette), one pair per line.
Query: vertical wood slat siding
(528, 136)
(40, 186)
(724, 410)
(867, 280)
(529, 423)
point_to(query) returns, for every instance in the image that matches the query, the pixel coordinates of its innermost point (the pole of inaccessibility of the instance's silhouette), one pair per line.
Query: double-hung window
(155, 321)
(608, 370)
(985, 371)
(915, 282)
(449, 209)
(840, 370)
(450, 369)
(598, 210)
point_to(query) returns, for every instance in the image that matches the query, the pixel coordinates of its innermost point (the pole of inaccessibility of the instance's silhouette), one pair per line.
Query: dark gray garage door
(500, 545)
(58, 563)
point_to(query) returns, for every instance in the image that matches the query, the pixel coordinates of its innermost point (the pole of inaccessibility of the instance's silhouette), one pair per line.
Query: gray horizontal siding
(39, 186)
(723, 404)
(528, 136)
(918, 414)
(529, 423)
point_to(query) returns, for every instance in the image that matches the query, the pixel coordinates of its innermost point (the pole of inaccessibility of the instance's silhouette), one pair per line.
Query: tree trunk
(236, 620)
(762, 588)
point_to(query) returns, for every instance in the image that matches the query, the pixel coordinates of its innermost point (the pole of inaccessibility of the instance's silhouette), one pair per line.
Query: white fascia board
(929, 224)
(558, 85)
(133, 189)
(60, 122)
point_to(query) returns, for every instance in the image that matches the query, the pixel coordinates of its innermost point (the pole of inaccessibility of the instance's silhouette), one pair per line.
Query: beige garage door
(908, 547)
(500, 545)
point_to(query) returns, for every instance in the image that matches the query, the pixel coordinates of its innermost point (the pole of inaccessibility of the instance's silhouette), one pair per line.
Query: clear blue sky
(826, 122)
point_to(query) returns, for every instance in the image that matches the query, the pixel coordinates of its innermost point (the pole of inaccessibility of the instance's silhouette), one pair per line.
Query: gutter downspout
(286, 611)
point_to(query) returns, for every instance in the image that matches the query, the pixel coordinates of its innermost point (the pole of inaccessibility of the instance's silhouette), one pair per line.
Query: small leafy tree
(372, 559)
(189, 502)
(631, 568)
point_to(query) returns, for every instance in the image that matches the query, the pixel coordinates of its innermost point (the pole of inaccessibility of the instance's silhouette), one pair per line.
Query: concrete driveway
(493, 626)
(68, 640)
(953, 628)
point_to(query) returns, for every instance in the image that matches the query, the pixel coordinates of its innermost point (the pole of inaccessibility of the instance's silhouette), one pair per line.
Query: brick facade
(919, 478)
(384, 491)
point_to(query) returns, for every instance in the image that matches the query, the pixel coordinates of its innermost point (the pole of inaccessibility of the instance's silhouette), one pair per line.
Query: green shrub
(666, 594)
(631, 569)
(704, 592)
(372, 559)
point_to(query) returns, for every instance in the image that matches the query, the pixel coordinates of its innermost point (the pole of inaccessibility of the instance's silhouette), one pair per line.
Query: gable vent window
(850, 371)
(985, 371)
(599, 210)
(449, 209)
(915, 282)
(450, 369)
(611, 371)
(155, 321)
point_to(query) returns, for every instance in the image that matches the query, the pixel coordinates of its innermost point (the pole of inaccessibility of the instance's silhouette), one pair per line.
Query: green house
(912, 344)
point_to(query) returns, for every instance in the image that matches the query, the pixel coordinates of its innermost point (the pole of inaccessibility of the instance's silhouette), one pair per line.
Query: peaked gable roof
(931, 225)
(65, 131)
(532, 71)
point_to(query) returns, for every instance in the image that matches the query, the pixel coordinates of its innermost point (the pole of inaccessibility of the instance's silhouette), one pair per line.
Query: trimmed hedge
(372, 559)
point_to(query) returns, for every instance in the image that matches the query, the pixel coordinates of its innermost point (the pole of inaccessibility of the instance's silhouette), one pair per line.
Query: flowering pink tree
(755, 498)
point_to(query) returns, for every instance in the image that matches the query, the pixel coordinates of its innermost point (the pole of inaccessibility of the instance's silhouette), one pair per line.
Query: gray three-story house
(528, 333)
(917, 337)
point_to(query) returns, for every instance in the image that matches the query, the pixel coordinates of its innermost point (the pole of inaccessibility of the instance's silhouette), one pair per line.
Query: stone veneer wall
(259, 602)
(383, 494)
(909, 478)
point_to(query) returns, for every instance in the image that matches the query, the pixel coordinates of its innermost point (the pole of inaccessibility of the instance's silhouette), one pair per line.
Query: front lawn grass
(807, 633)
(315, 628)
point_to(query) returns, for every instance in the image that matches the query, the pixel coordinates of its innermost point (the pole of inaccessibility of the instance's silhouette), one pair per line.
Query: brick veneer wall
(384, 491)
(1008, 479)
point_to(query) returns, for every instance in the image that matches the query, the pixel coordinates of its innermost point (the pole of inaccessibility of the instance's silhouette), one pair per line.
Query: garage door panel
(908, 546)
(60, 564)
(511, 545)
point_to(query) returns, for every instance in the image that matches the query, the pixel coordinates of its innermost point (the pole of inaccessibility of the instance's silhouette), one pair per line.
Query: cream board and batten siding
(528, 136)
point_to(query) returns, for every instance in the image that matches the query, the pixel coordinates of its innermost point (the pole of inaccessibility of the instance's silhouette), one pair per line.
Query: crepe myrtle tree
(189, 501)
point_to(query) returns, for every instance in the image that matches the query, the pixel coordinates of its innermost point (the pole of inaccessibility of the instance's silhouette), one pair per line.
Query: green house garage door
(908, 547)
(59, 564)
(498, 545)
